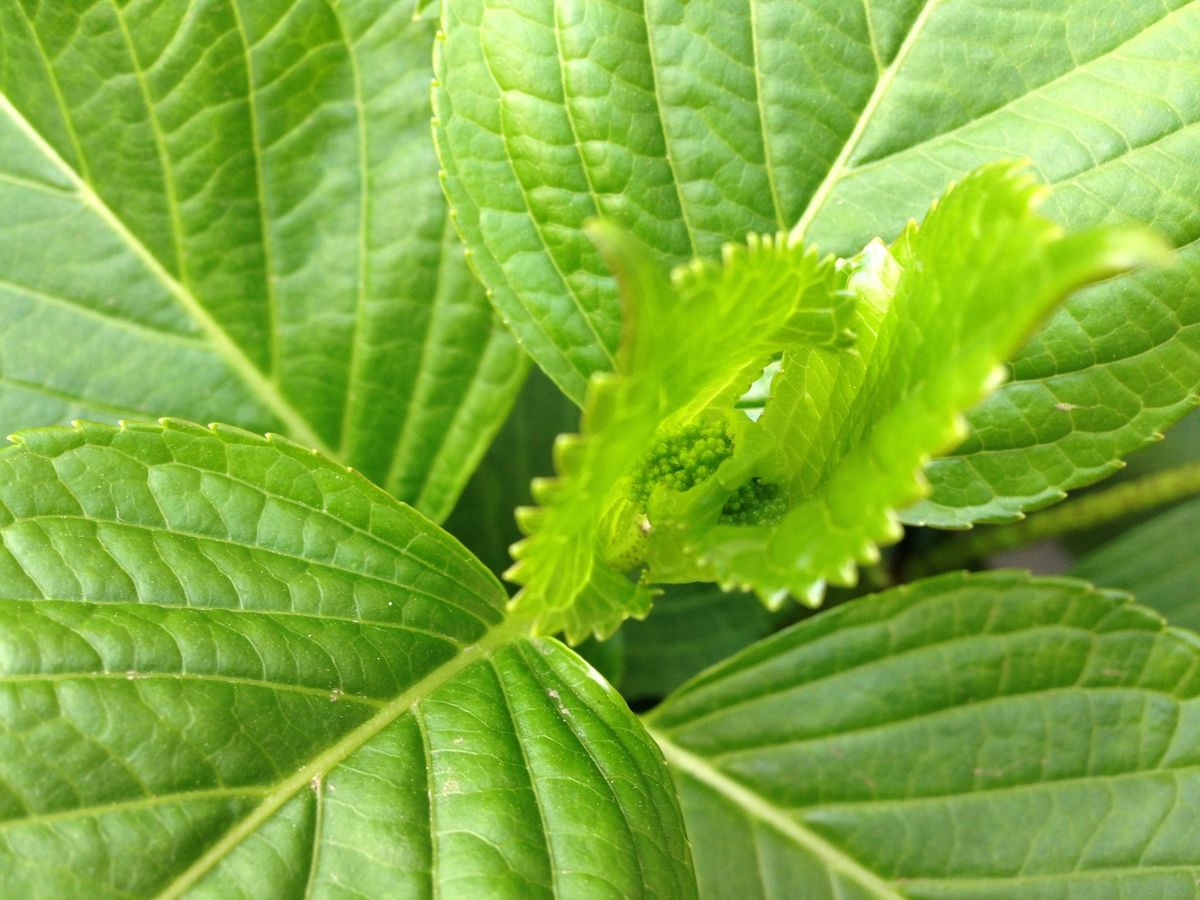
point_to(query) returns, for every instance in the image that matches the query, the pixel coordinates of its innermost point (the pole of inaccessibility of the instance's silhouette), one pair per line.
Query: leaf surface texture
(228, 211)
(970, 736)
(696, 123)
(231, 667)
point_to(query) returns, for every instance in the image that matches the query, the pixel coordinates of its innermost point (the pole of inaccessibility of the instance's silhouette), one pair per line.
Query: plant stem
(1076, 515)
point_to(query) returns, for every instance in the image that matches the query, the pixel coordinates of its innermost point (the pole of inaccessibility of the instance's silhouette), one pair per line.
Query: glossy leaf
(1157, 562)
(696, 123)
(230, 667)
(228, 211)
(984, 736)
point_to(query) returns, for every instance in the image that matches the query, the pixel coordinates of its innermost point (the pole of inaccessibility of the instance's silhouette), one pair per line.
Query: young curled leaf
(846, 436)
(692, 345)
(879, 357)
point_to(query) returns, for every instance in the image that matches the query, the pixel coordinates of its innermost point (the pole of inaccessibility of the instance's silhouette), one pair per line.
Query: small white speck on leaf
(335, 695)
(315, 784)
(451, 786)
(990, 773)
(562, 709)
(1063, 406)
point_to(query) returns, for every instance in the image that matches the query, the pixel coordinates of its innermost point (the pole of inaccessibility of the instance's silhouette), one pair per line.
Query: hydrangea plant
(795, 288)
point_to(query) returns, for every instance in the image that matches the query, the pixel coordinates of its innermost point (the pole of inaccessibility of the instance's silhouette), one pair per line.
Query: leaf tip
(812, 596)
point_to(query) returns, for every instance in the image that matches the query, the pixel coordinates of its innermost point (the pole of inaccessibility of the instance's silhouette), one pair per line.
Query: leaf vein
(241, 364)
(332, 757)
(841, 163)
(536, 222)
(755, 806)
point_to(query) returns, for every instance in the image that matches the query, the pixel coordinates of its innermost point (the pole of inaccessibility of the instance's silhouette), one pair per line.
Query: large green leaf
(227, 210)
(230, 667)
(1158, 562)
(970, 736)
(696, 123)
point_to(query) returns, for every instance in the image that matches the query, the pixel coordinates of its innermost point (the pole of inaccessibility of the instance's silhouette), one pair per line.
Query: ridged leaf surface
(696, 123)
(230, 667)
(228, 211)
(986, 736)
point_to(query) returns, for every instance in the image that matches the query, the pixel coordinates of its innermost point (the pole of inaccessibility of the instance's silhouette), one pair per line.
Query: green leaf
(983, 736)
(1180, 448)
(840, 446)
(228, 211)
(231, 667)
(696, 123)
(1157, 562)
(949, 302)
(693, 345)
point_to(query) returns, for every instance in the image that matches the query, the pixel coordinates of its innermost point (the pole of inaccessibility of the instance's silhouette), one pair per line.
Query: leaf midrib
(841, 163)
(923, 717)
(323, 693)
(160, 148)
(260, 181)
(354, 369)
(323, 617)
(56, 89)
(320, 765)
(758, 807)
(259, 384)
(768, 166)
(740, 703)
(1075, 69)
(841, 167)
